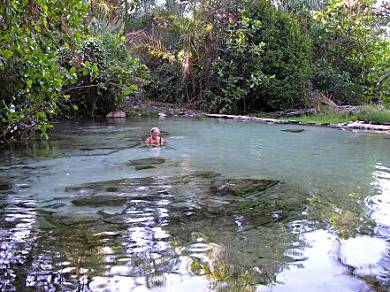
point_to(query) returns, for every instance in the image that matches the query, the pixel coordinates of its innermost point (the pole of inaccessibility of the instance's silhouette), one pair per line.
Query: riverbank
(357, 125)
(150, 108)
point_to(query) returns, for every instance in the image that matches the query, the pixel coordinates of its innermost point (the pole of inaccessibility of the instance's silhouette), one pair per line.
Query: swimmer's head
(155, 129)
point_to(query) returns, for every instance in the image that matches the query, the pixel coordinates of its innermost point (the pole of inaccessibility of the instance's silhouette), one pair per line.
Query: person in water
(155, 139)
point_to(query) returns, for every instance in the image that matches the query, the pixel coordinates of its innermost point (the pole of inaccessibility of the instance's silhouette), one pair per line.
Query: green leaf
(130, 89)
(7, 54)
(75, 107)
(41, 116)
(95, 70)
(44, 8)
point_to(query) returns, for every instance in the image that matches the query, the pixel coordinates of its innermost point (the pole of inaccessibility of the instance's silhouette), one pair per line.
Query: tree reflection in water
(150, 233)
(17, 238)
(155, 232)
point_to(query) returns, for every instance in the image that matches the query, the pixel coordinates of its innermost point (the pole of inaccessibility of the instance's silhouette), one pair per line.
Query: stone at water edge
(116, 114)
(293, 130)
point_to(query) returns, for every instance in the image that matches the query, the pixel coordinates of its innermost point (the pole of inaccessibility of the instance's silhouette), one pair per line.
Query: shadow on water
(74, 139)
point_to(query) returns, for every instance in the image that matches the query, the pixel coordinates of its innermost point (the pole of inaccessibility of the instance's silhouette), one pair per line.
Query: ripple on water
(186, 229)
(16, 240)
(316, 268)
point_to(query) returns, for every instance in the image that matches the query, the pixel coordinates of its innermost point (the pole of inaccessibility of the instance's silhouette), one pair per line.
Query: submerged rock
(42, 223)
(293, 130)
(100, 200)
(66, 220)
(54, 206)
(117, 219)
(141, 167)
(240, 187)
(201, 174)
(148, 161)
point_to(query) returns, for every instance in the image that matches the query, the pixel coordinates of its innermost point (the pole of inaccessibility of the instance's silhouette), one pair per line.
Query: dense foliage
(76, 57)
(264, 61)
(106, 72)
(53, 61)
(350, 56)
(257, 55)
(32, 34)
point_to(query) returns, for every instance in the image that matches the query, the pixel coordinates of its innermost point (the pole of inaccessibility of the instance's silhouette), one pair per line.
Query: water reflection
(354, 254)
(378, 204)
(150, 228)
(17, 236)
(89, 213)
(314, 268)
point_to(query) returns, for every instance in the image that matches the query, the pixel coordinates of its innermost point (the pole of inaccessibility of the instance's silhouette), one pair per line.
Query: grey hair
(155, 129)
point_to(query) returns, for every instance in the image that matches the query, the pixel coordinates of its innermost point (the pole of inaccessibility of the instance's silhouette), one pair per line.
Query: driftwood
(349, 108)
(360, 125)
(325, 98)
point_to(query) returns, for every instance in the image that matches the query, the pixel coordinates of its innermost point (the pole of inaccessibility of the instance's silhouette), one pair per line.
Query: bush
(31, 35)
(337, 83)
(107, 73)
(264, 62)
(350, 51)
(165, 82)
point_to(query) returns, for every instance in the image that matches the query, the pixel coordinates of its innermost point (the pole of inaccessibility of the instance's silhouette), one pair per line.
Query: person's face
(154, 133)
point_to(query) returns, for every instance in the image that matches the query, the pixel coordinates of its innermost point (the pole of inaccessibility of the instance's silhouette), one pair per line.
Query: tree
(350, 47)
(32, 35)
(264, 62)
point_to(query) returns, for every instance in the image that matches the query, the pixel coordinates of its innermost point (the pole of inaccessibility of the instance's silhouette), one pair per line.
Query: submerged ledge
(358, 125)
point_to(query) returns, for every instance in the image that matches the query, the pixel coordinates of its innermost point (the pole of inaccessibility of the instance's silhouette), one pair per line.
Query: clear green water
(77, 214)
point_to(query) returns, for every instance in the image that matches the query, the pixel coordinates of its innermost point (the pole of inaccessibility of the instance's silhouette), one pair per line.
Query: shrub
(107, 73)
(264, 62)
(165, 82)
(32, 34)
(350, 51)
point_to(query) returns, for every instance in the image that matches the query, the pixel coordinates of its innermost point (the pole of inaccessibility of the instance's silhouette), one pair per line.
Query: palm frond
(140, 40)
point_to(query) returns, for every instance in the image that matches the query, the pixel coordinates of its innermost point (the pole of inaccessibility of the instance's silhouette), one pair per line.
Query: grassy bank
(369, 114)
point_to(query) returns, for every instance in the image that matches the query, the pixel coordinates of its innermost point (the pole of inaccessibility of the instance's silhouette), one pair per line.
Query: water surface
(225, 206)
